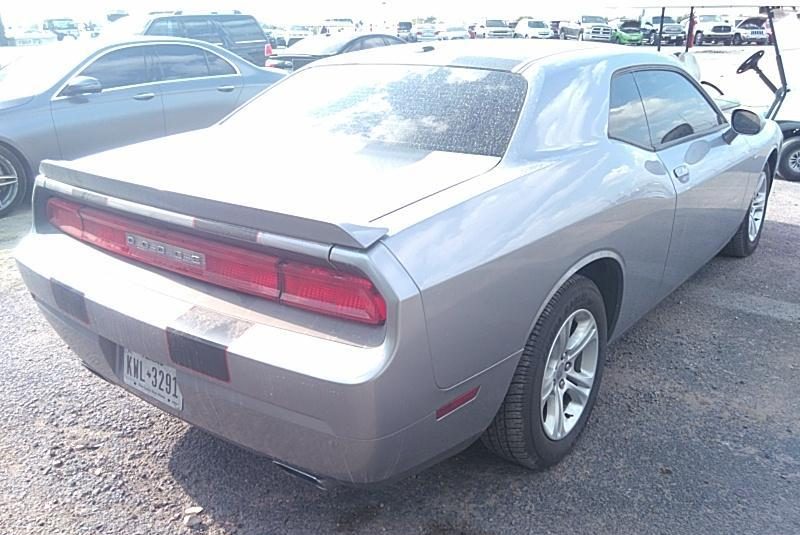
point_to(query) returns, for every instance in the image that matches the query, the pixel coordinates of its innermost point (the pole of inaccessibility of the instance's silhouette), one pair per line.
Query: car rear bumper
(373, 424)
(590, 37)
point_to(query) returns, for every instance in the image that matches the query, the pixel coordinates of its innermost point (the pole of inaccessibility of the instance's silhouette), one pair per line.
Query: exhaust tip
(305, 476)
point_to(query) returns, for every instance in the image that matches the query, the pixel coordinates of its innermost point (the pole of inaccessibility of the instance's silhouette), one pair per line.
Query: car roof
(512, 55)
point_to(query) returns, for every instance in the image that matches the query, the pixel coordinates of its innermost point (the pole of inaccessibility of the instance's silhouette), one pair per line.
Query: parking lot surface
(695, 431)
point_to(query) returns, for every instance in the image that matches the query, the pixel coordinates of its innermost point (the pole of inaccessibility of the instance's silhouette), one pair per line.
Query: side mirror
(746, 123)
(82, 85)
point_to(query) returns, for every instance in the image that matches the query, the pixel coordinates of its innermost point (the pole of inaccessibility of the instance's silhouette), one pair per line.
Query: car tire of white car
(520, 431)
(745, 241)
(789, 160)
(13, 180)
(698, 39)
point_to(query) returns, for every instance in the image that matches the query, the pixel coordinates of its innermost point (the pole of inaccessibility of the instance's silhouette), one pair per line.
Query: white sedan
(533, 29)
(453, 32)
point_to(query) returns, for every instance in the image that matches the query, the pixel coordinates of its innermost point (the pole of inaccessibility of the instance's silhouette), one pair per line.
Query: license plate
(152, 378)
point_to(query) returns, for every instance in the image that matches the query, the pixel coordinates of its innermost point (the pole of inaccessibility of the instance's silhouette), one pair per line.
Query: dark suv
(241, 34)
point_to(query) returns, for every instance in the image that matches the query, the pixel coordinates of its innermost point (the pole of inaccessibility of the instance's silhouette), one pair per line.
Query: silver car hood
(14, 102)
(327, 193)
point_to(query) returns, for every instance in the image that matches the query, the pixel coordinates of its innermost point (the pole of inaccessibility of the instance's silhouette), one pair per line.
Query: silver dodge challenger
(441, 247)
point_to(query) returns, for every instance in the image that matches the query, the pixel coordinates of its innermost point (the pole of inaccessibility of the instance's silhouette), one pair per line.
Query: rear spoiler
(200, 212)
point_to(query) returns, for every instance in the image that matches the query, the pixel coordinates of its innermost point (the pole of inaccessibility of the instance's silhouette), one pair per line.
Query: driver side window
(675, 108)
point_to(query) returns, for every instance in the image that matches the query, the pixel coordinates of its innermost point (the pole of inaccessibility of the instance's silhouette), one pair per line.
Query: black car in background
(317, 47)
(239, 33)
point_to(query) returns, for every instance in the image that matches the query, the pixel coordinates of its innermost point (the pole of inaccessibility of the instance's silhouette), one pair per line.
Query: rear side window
(218, 66)
(241, 29)
(179, 62)
(675, 108)
(202, 30)
(168, 27)
(432, 108)
(123, 67)
(626, 118)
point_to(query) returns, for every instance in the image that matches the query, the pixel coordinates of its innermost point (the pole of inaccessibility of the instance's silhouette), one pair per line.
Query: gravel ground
(695, 431)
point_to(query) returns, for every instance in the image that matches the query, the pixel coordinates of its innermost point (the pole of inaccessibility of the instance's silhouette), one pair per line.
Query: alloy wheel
(757, 207)
(794, 161)
(9, 183)
(569, 374)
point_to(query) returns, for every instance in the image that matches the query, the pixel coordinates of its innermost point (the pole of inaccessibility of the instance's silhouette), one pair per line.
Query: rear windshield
(403, 25)
(536, 24)
(426, 107)
(593, 20)
(494, 23)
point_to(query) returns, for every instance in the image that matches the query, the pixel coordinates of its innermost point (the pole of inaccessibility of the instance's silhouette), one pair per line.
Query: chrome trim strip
(237, 232)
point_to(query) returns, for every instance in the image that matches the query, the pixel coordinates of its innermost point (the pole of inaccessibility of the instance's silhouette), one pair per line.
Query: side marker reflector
(460, 401)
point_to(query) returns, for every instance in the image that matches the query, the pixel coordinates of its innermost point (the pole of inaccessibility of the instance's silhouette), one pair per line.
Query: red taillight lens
(313, 288)
(337, 294)
(64, 215)
(268, 49)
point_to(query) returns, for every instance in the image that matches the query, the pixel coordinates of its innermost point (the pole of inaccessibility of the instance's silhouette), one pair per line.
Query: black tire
(790, 152)
(741, 245)
(517, 433)
(11, 196)
(737, 39)
(698, 39)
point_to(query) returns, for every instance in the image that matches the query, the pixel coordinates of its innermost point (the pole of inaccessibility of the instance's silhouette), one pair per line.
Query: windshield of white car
(710, 18)
(667, 20)
(456, 29)
(63, 24)
(536, 24)
(430, 108)
(593, 20)
(496, 24)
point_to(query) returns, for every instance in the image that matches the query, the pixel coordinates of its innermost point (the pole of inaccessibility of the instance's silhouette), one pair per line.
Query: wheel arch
(19, 154)
(604, 268)
(772, 161)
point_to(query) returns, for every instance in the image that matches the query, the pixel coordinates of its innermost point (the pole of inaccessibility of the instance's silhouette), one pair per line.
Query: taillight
(315, 288)
(337, 294)
(268, 50)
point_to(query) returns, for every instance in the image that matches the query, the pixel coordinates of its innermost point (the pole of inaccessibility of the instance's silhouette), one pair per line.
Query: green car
(628, 33)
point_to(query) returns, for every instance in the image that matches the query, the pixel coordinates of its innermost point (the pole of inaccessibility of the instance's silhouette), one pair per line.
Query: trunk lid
(331, 195)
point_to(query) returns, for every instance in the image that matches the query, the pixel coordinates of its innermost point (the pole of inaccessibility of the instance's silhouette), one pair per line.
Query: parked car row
(68, 100)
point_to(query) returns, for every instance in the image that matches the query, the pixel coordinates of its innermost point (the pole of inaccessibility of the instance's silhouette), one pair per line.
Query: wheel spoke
(581, 379)
(582, 337)
(8, 180)
(562, 339)
(548, 385)
(558, 413)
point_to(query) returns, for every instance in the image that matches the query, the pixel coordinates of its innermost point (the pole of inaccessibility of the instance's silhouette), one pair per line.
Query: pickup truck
(586, 28)
(711, 29)
(493, 29)
(672, 33)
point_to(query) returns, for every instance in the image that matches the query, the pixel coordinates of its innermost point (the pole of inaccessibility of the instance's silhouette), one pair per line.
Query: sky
(311, 11)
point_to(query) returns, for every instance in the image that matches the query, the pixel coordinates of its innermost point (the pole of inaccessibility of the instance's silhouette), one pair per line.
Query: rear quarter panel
(564, 195)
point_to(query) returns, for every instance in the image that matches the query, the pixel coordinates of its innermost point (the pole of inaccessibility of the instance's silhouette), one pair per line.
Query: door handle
(144, 96)
(682, 173)
(226, 88)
